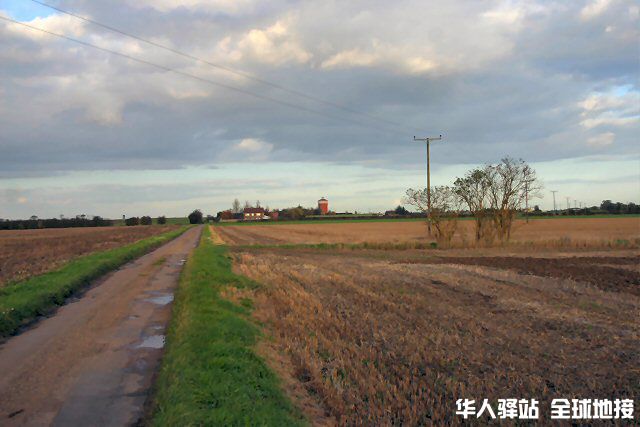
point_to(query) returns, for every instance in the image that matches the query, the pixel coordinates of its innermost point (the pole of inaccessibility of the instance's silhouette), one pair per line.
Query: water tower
(323, 206)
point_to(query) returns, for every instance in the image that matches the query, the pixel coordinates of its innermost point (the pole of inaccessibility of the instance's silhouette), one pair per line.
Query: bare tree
(445, 206)
(473, 190)
(235, 208)
(247, 204)
(258, 204)
(510, 183)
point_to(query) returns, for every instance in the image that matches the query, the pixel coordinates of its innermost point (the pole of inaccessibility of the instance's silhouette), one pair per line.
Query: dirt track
(93, 362)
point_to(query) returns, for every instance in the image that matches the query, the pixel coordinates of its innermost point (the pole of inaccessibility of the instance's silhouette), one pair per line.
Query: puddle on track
(161, 299)
(153, 341)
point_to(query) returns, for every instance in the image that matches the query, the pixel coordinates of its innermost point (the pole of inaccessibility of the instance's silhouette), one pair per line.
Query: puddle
(153, 341)
(161, 300)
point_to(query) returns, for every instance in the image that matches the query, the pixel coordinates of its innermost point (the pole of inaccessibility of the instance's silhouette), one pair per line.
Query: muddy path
(94, 361)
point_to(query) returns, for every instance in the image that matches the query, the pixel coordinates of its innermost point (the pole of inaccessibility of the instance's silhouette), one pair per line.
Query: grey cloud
(120, 115)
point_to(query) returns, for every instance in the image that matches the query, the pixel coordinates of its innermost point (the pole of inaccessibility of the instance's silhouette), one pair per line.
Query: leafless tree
(235, 208)
(473, 190)
(510, 182)
(445, 206)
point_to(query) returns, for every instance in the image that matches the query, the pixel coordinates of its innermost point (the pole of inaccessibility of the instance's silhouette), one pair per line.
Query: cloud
(601, 140)
(594, 8)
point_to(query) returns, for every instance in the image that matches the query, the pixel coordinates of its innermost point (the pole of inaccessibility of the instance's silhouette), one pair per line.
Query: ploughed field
(374, 337)
(570, 232)
(26, 253)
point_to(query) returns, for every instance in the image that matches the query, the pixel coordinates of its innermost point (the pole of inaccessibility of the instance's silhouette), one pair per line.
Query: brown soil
(607, 273)
(380, 339)
(89, 364)
(26, 253)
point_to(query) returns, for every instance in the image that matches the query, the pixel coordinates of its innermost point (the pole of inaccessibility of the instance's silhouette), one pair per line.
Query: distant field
(571, 232)
(354, 219)
(26, 253)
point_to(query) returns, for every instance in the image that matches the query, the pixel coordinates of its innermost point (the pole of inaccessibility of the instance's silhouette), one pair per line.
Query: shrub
(195, 217)
(162, 220)
(134, 220)
(146, 220)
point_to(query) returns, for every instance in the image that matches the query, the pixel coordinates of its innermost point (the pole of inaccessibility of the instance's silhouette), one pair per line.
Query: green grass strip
(21, 302)
(210, 373)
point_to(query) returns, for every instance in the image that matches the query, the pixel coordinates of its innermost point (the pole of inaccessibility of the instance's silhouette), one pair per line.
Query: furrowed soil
(26, 253)
(379, 337)
(571, 232)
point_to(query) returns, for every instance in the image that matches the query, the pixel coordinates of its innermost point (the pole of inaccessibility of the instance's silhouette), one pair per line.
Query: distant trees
(23, 224)
(161, 220)
(196, 217)
(618, 208)
(146, 220)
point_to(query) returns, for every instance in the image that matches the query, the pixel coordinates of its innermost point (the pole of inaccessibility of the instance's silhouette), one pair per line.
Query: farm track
(93, 362)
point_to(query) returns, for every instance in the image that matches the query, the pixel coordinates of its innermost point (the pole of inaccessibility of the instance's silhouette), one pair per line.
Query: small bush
(146, 220)
(162, 220)
(195, 217)
(134, 220)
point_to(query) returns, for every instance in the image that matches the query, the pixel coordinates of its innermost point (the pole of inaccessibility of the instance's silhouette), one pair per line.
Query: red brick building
(253, 214)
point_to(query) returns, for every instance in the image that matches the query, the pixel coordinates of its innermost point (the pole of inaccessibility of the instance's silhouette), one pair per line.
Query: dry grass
(552, 233)
(386, 340)
(26, 253)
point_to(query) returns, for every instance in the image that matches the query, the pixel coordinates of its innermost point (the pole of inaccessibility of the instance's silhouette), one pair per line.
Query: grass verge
(21, 302)
(211, 374)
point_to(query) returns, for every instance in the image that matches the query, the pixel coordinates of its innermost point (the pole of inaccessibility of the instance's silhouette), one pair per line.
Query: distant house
(253, 214)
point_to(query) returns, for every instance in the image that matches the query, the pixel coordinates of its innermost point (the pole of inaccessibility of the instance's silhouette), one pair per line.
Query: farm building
(253, 214)
(323, 206)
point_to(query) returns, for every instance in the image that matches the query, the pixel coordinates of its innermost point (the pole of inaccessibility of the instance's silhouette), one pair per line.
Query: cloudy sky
(84, 131)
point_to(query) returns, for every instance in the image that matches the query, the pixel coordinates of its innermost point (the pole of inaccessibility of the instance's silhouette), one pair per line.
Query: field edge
(22, 302)
(211, 373)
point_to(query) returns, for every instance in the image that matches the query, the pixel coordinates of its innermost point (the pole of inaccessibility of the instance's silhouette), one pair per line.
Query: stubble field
(26, 253)
(572, 232)
(375, 337)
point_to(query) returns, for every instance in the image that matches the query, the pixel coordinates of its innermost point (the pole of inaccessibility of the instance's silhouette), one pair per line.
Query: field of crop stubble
(396, 336)
(26, 253)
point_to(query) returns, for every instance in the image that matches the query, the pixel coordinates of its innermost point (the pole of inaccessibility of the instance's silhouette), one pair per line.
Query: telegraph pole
(428, 141)
(554, 201)
(568, 205)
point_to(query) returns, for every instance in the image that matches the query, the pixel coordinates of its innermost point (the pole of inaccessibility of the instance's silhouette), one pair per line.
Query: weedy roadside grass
(23, 301)
(211, 374)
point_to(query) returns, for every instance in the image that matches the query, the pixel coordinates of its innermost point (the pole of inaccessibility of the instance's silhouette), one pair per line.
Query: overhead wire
(225, 68)
(202, 79)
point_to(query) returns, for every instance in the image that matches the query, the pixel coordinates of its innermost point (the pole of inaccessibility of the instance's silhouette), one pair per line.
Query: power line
(193, 76)
(222, 67)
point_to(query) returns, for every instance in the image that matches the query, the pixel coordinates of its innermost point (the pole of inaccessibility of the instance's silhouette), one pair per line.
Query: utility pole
(568, 204)
(554, 201)
(428, 141)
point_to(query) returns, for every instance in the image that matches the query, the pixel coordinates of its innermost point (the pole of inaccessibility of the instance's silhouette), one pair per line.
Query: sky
(83, 131)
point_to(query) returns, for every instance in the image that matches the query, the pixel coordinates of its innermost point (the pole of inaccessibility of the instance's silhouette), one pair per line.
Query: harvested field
(395, 337)
(27, 253)
(572, 232)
